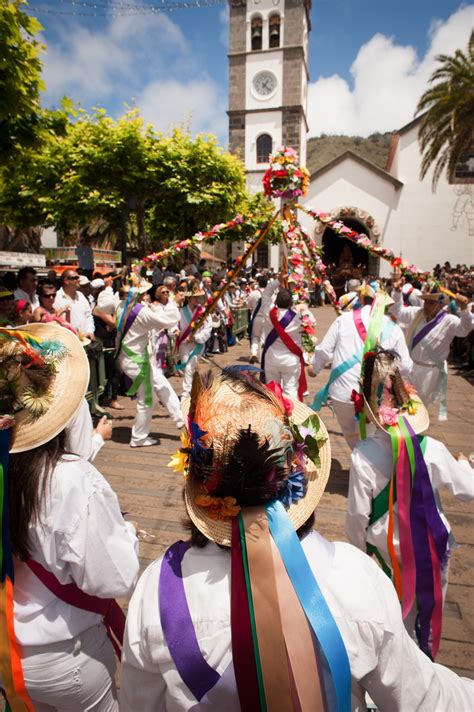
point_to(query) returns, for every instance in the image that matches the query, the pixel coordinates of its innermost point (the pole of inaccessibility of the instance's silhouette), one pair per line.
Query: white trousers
(76, 675)
(345, 415)
(167, 395)
(286, 376)
(257, 335)
(425, 379)
(188, 373)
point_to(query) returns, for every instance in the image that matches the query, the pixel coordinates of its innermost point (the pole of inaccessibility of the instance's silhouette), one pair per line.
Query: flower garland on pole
(362, 240)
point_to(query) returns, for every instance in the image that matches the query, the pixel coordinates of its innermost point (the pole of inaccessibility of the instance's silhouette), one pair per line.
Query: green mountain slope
(323, 149)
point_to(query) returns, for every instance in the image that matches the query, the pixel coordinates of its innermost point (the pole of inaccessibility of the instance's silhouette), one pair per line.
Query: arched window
(256, 32)
(274, 28)
(264, 148)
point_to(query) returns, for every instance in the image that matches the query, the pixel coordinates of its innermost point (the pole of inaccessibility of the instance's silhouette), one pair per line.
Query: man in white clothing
(135, 324)
(282, 356)
(80, 312)
(27, 284)
(342, 346)
(256, 318)
(191, 343)
(429, 332)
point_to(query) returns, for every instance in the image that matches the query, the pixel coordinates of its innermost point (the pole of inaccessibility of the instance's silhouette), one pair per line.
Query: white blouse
(384, 660)
(81, 537)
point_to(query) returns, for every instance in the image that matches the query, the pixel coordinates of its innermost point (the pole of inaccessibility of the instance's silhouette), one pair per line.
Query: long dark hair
(29, 475)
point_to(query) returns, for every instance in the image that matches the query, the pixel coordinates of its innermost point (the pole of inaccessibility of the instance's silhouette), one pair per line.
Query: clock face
(264, 84)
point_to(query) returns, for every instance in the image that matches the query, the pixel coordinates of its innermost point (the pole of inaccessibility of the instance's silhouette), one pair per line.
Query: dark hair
(43, 286)
(284, 300)
(30, 473)
(24, 271)
(262, 281)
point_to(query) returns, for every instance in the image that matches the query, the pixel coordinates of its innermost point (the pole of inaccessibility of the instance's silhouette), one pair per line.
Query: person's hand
(90, 336)
(461, 301)
(311, 372)
(104, 428)
(461, 456)
(397, 283)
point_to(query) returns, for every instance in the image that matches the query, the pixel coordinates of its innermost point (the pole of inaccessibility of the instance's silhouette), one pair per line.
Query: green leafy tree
(447, 128)
(20, 77)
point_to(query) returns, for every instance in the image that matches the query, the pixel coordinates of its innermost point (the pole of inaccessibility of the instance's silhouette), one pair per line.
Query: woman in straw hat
(64, 543)
(257, 611)
(385, 514)
(429, 332)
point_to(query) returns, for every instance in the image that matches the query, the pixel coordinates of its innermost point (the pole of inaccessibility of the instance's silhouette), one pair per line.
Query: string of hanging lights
(117, 8)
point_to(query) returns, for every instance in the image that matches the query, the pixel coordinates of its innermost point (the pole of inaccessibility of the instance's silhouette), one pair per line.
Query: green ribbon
(373, 335)
(380, 502)
(144, 375)
(253, 625)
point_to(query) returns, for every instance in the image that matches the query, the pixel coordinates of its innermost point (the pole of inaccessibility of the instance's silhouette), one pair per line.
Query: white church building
(268, 79)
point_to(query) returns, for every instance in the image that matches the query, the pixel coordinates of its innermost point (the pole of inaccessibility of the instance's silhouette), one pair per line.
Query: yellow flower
(185, 441)
(179, 461)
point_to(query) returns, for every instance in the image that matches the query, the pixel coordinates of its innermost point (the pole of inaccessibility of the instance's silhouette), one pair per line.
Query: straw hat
(396, 396)
(230, 411)
(62, 385)
(367, 290)
(196, 290)
(435, 296)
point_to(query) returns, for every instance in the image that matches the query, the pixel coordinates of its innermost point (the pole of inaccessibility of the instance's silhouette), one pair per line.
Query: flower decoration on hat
(284, 179)
(180, 459)
(27, 372)
(219, 508)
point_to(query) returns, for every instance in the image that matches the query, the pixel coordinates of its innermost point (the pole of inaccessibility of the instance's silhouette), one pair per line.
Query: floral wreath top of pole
(285, 179)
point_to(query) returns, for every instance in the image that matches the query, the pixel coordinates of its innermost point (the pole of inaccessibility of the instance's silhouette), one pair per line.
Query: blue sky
(369, 61)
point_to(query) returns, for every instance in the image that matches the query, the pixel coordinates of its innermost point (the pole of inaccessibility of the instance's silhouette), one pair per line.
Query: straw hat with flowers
(44, 374)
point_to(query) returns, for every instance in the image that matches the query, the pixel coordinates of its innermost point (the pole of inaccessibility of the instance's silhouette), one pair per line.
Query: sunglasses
(163, 291)
(72, 279)
(48, 296)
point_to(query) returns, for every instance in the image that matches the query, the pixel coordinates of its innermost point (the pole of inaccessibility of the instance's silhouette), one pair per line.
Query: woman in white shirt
(72, 551)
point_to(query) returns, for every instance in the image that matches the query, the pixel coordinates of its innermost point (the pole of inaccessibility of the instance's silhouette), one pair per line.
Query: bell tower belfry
(268, 80)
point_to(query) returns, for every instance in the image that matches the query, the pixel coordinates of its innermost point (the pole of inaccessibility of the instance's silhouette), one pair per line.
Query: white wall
(256, 62)
(430, 227)
(351, 184)
(255, 124)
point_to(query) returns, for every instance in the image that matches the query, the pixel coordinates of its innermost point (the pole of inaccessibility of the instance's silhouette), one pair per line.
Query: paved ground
(151, 493)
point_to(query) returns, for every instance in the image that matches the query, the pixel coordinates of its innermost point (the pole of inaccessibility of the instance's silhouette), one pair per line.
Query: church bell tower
(268, 80)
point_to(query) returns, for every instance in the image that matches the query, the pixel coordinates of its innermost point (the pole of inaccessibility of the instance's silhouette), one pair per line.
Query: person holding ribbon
(65, 548)
(135, 323)
(394, 510)
(282, 355)
(257, 611)
(429, 332)
(190, 343)
(347, 339)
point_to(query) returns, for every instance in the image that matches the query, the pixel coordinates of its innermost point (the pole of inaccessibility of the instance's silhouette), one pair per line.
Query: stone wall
(292, 116)
(237, 133)
(237, 27)
(294, 22)
(237, 83)
(292, 76)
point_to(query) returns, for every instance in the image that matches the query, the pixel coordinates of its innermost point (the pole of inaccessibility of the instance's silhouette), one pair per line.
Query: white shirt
(342, 340)
(107, 301)
(21, 294)
(253, 299)
(200, 336)
(439, 338)
(371, 469)
(383, 658)
(81, 537)
(81, 438)
(80, 315)
(148, 319)
(413, 295)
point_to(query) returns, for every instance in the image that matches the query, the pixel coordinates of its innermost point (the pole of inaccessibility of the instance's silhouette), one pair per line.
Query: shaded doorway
(344, 258)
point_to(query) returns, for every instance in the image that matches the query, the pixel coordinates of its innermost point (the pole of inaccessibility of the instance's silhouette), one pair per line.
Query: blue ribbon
(321, 396)
(314, 605)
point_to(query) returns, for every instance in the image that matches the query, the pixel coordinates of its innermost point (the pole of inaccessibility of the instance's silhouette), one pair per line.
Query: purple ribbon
(178, 627)
(424, 516)
(272, 337)
(427, 328)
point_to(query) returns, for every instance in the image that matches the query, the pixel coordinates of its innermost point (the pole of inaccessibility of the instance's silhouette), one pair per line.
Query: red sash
(184, 335)
(291, 346)
(359, 324)
(114, 617)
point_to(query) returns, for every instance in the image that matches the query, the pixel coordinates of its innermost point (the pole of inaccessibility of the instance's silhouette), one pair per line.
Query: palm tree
(447, 128)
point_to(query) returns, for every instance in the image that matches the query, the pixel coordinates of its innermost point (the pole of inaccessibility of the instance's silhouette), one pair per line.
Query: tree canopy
(447, 128)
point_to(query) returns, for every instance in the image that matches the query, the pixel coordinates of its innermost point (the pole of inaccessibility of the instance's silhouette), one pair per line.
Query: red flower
(396, 262)
(358, 400)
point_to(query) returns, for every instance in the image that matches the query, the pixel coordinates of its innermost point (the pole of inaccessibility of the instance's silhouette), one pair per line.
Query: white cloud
(191, 105)
(388, 80)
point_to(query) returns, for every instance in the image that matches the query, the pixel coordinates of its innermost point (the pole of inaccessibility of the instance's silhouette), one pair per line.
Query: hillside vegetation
(323, 149)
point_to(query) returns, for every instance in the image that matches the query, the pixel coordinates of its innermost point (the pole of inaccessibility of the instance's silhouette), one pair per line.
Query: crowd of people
(257, 610)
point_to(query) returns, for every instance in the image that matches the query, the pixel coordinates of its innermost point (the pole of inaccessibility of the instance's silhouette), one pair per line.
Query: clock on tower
(268, 78)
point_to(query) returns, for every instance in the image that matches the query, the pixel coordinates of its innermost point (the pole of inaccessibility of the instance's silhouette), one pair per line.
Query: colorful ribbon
(144, 374)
